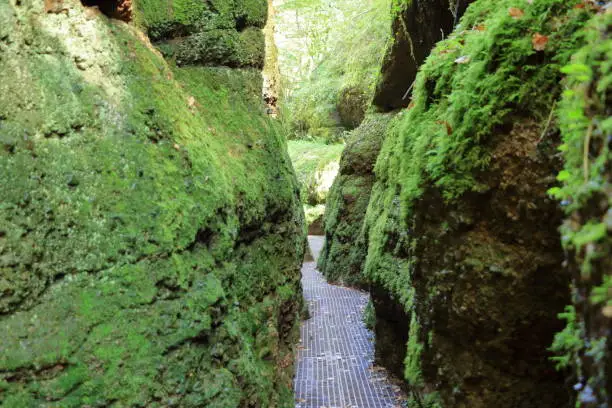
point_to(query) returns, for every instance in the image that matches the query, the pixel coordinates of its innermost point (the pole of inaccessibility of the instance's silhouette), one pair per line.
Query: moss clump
(163, 19)
(219, 47)
(369, 318)
(220, 32)
(150, 233)
(459, 226)
(586, 194)
(251, 13)
(343, 254)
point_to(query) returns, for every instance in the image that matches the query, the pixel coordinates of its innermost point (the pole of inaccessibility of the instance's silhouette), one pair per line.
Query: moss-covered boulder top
(150, 230)
(215, 32)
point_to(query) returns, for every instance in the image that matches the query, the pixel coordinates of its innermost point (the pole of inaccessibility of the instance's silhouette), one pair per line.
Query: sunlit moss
(150, 230)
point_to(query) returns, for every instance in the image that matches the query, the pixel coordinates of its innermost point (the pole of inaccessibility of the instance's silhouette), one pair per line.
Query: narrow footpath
(336, 352)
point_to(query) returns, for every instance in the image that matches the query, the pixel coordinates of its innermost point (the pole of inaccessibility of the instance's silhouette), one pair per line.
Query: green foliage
(414, 349)
(568, 341)
(313, 213)
(584, 192)
(330, 81)
(369, 315)
(417, 398)
(315, 165)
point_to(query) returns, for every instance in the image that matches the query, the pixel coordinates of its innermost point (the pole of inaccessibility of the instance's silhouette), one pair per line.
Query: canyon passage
(305, 203)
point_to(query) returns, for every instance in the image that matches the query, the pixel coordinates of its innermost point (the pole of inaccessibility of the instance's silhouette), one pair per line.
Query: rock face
(417, 27)
(343, 254)
(217, 32)
(585, 110)
(150, 229)
(421, 23)
(462, 236)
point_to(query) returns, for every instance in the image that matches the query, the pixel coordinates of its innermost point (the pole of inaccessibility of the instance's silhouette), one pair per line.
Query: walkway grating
(336, 352)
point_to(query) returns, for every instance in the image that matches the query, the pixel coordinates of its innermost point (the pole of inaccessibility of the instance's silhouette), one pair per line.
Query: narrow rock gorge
(156, 197)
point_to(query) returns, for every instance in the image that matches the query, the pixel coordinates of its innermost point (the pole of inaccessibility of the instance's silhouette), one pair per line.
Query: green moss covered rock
(462, 236)
(344, 251)
(217, 32)
(150, 233)
(220, 47)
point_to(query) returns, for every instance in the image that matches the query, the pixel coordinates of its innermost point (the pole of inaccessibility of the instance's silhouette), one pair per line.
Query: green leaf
(563, 175)
(579, 72)
(555, 192)
(589, 233)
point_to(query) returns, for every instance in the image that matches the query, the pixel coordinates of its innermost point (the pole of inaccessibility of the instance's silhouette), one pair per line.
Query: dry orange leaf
(479, 27)
(515, 12)
(449, 129)
(539, 41)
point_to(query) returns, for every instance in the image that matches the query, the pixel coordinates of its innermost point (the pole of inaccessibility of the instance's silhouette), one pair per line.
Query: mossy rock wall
(150, 228)
(461, 234)
(343, 254)
(215, 32)
(417, 26)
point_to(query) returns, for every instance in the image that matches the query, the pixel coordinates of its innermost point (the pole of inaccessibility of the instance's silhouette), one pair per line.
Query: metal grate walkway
(336, 353)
